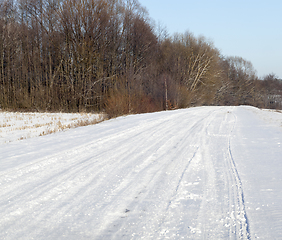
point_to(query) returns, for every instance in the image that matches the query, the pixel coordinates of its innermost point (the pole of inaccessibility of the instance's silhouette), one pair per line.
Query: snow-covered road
(198, 173)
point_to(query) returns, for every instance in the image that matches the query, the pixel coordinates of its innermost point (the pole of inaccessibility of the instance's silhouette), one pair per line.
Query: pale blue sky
(251, 29)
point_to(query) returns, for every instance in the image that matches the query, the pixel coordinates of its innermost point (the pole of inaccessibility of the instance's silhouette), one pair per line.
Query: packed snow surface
(198, 173)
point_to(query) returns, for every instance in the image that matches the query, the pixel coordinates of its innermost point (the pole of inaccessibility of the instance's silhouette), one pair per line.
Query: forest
(109, 56)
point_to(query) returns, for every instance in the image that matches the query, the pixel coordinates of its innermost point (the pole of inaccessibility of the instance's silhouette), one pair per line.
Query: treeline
(269, 92)
(106, 55)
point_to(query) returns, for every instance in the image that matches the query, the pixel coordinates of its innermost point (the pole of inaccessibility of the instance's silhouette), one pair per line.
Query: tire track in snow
(223, 219)
(238, 211)
(194, 130)
(196, 133)
(156, 181)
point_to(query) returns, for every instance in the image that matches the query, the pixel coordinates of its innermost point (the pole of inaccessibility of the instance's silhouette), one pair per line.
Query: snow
(198, 173)
(19, 125)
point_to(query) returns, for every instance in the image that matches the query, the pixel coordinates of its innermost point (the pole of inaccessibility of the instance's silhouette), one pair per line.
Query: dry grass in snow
(17, 126)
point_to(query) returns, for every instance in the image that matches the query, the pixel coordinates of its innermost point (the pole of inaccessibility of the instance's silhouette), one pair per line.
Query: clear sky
(251, 29)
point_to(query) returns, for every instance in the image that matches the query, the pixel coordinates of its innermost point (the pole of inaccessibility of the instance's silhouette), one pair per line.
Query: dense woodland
(107, 55)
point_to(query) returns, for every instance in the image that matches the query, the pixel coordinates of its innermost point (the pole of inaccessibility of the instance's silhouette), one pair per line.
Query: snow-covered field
(18, 126)
(198, 173)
